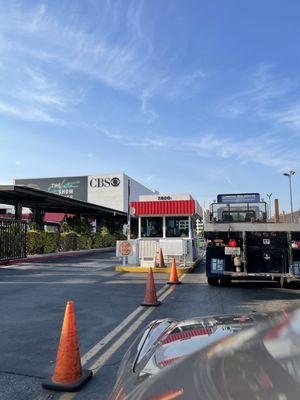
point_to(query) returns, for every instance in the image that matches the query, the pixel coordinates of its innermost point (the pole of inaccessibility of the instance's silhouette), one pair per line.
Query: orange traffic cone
(150, 295)
(161, 259)
(173, 275)
(68, 374)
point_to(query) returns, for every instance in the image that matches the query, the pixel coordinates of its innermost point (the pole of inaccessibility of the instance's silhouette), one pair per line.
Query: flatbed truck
(243, 244)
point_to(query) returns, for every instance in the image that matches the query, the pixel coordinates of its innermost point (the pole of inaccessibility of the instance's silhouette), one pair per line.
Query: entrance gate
(12, 239)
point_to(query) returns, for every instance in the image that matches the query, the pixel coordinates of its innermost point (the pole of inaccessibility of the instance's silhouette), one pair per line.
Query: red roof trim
(187, 335)
(168, 361)
(168, 207)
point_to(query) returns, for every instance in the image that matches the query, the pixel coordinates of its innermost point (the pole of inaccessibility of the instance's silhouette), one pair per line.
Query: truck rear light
(298, 244)
(232, 243)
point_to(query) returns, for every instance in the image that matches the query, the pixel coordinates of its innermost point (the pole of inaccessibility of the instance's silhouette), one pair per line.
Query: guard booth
(166, 222)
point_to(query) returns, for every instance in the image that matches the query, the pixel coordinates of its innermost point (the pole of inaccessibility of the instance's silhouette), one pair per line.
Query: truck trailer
(244, 244)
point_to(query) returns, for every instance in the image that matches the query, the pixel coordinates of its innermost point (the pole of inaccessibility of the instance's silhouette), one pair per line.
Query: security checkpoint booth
(166, 222)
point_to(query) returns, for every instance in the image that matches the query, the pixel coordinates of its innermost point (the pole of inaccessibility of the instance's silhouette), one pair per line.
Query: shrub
(108, 239)
(97, 241)
(68, 241)
(41, 242)
(84, 242)
(121, 236)
(78, 224)
(51, 242)
(35, 242)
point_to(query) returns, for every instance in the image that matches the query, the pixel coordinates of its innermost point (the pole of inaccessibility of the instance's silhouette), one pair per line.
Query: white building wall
(111, 190)
(136, 190)
(108, 190)
(104, 190)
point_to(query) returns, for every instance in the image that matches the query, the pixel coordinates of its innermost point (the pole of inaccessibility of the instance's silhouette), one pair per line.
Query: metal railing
(12, 239)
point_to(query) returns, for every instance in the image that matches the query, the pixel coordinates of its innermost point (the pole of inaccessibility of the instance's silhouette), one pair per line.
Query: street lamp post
(289, 175)
(270, 213)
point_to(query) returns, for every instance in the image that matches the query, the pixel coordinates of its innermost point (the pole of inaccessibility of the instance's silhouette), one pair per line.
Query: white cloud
(267, 150)
(146, 109)
(264, 150)
(40, 91)
(158, 142)
(69, 43)
(26, 113)
(259, 97)
(66, 42)
(28, 94)
(289, 116)
(112, 135)
(186, 85)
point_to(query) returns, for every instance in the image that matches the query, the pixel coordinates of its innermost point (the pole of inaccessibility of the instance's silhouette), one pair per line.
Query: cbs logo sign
(104, 182)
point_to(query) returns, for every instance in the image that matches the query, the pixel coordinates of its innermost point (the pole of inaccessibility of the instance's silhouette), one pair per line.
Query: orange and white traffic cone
(68, 374)
(150, 299)
(161, 259)
(173, 275)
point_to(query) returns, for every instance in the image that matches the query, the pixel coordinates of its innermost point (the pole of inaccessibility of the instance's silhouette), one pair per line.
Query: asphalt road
(33, 299)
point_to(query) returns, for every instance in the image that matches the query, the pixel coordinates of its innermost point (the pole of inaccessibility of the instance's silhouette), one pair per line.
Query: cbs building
(108, 190)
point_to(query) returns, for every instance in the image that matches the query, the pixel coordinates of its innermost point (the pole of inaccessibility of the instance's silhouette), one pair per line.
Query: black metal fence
(12, 239)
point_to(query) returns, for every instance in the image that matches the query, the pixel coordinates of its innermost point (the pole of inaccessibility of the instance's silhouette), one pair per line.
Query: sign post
(124, 249)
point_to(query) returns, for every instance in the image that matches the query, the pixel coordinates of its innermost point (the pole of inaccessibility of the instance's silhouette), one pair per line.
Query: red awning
(168, 207)
(48, 217)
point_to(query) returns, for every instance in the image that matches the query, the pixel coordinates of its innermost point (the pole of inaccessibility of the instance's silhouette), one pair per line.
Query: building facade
(287, 217)
(108, 190)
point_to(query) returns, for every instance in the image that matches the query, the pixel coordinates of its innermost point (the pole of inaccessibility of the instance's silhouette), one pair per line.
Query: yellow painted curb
(180, 271)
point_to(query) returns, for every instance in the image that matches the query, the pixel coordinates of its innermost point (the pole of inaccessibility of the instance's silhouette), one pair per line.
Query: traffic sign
(125, 248)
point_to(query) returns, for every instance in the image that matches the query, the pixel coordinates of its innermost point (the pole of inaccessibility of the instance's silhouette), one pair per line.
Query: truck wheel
(225, 282)
(212, 281)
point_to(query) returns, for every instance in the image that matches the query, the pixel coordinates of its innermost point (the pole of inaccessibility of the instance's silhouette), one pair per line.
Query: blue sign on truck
(239, 198)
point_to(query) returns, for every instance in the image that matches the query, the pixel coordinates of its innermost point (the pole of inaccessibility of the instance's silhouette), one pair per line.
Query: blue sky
(185, 96)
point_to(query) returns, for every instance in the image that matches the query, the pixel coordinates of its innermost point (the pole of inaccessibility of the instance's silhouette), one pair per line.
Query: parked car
(233, 357)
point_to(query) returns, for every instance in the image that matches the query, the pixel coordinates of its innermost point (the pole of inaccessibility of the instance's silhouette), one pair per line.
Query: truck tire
(212, 281)
(225, 282)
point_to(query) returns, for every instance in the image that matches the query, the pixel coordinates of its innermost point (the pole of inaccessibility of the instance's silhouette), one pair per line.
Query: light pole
(270, 213)
(289, 175)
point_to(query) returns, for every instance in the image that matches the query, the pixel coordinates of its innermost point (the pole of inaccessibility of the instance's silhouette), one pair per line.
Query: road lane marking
(112, 349)
(103, 342)
(99, 363)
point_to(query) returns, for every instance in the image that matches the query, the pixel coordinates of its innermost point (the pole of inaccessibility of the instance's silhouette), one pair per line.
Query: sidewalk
(50, 256)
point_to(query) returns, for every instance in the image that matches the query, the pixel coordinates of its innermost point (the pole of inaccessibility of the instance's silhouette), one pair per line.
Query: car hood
(166, 342)
(182, 338)
(260, 362)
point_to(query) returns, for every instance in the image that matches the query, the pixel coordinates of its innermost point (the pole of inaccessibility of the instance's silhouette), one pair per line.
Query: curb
(180, 271)
(67, 254)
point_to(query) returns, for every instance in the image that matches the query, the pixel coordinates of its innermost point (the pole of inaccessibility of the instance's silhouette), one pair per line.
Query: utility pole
(270, 213)
(276, 212)
(289, 175)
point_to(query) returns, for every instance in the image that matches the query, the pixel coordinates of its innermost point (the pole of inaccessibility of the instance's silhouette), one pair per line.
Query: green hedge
(35, 242)
(40, 242)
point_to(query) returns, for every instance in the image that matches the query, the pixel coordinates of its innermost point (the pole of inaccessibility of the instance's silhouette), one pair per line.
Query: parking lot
(108, 315)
